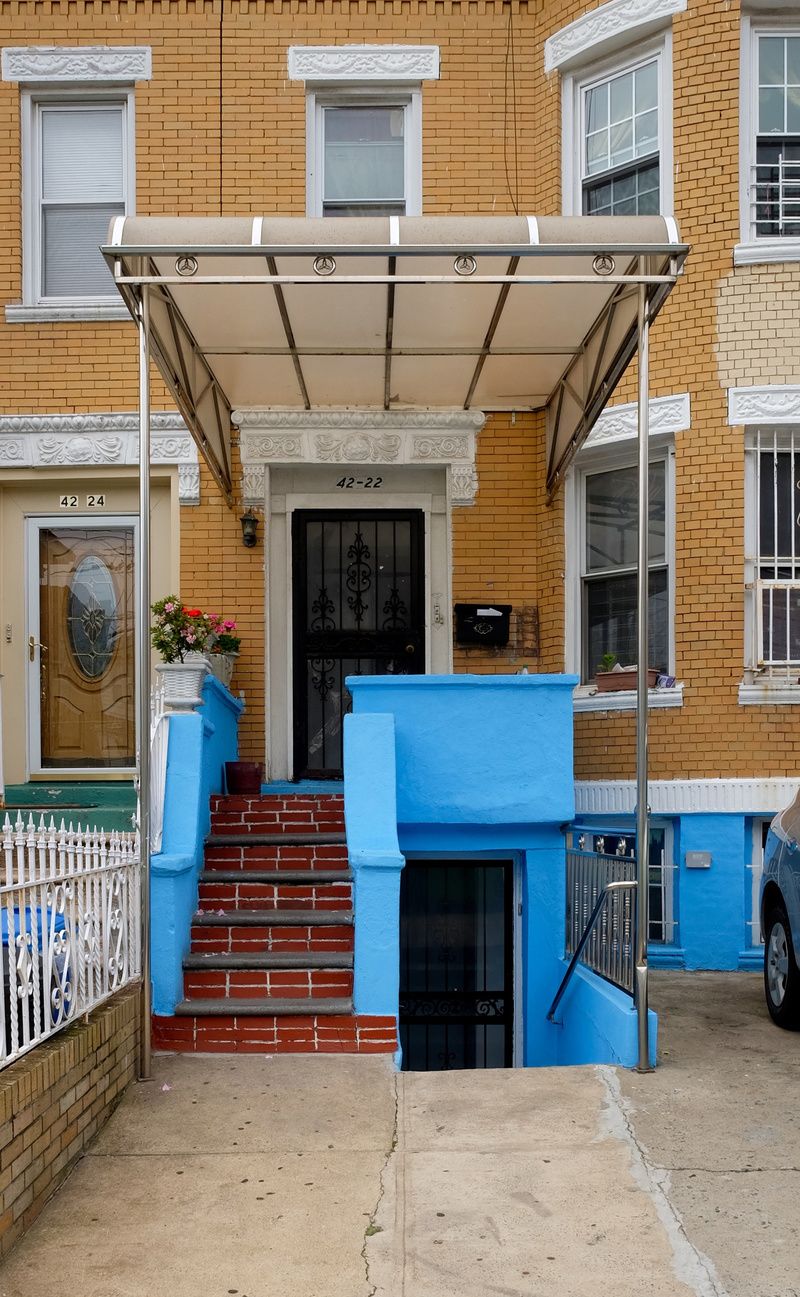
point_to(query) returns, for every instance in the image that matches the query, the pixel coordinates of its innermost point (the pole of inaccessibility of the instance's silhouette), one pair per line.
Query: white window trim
(40, 64)
(752, 251)
(572, 87)
(755, 868)
(593, 460)
(34, 306)
(407, 96)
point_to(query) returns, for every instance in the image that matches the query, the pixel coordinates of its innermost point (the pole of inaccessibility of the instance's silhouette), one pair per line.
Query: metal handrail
(627, 884)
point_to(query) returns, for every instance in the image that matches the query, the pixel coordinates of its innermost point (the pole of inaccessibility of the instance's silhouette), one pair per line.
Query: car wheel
(781, 975)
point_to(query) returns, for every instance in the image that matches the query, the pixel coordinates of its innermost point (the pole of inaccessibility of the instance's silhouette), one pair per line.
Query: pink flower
(229, 625)
(169, 607)
(190, 638)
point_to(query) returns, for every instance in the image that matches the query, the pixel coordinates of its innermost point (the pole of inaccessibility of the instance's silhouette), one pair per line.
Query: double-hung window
(608, 581)
(77, 179)
(774, 560)
(365, 153)
(620, 141)
(774, 190)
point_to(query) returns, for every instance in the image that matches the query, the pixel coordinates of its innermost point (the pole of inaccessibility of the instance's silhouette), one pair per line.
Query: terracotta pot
(611, 682)
(243, 776)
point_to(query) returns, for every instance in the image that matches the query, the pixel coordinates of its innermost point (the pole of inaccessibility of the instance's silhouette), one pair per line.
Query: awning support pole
(642, 807)
(143, 671)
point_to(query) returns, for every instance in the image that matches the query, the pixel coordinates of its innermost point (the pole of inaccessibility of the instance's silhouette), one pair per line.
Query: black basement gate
(456, 964)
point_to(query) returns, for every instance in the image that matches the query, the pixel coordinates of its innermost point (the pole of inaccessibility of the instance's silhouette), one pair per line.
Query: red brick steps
(271, 961)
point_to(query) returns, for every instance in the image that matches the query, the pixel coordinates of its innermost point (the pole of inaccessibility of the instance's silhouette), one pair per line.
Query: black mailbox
(483, 623)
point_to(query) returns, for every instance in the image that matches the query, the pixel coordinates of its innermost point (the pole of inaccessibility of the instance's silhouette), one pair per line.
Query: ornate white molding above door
(384, 437)
(99, 441)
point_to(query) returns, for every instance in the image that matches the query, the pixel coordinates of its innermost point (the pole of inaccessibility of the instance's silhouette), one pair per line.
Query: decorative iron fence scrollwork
(70, 906)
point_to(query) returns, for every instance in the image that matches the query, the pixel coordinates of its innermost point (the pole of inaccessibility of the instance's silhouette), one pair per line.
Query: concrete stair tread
(274, 918)
(248, 839)
(243, 962)
(278, 876)
(268, 1007)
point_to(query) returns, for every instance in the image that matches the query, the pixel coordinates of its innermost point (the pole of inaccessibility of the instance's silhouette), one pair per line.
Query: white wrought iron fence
(70, 911)
(159, 743)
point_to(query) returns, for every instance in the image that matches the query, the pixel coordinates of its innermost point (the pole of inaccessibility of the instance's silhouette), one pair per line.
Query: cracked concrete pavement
(258, 1176)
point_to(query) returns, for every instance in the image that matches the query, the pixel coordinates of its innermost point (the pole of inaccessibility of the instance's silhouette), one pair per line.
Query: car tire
(781, 974)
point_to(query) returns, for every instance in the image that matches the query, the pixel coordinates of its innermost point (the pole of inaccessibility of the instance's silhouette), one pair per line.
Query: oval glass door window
(92, 617)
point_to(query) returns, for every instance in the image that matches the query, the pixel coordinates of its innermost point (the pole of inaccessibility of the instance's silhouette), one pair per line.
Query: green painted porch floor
(108, 805)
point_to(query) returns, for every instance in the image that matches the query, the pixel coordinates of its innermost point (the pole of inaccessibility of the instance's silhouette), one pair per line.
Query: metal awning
(489, 313)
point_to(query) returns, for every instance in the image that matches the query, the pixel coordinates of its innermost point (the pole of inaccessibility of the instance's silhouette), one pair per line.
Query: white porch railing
(159, 743)
(71, 937)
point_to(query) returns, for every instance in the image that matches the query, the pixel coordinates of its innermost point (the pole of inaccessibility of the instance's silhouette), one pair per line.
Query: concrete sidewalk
(334, 1177)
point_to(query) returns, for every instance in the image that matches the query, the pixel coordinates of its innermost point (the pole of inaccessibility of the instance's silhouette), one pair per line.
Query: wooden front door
(85, 649)
(358, 610)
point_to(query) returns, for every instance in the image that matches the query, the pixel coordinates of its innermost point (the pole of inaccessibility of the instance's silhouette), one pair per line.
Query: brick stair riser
(260, 857)
(291, 1035)
(222, 939)
(289, 802)
(278, 896)
(275, 822)
(316, 983)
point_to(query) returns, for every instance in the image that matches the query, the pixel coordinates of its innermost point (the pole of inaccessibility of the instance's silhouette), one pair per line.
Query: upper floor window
(364, 153)
(78, 173)
(620, 142)
(773, 563)
(775, 180)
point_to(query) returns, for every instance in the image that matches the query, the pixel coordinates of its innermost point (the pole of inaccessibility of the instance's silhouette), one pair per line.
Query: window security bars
(70, 913)
(776, 650)
(775, 193)
(611, 945)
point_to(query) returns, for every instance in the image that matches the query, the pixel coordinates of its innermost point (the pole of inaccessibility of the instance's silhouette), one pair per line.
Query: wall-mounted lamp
(249, 523)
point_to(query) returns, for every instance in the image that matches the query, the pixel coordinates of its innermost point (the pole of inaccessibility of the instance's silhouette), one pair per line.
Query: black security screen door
(358, 610)
(456, 965)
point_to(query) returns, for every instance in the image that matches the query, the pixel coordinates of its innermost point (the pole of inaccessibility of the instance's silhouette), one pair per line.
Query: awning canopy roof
(490, 313)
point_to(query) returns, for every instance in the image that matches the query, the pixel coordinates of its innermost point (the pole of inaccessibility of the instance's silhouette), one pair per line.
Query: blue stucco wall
(477, 749)
(199, 745)
(472, 767)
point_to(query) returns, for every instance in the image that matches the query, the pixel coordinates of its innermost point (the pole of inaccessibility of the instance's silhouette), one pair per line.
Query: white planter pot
(183, 682)
(221, 665)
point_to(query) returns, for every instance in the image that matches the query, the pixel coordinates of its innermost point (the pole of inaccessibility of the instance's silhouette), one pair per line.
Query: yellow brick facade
(491, 138)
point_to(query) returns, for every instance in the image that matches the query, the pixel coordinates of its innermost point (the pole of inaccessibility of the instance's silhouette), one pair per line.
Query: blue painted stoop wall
(481, 766)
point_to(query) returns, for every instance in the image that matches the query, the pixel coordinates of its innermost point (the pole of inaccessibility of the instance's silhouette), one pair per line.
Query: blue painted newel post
(370, 808)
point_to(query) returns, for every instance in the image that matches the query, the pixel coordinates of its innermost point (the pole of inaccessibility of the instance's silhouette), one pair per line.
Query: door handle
(33, 644)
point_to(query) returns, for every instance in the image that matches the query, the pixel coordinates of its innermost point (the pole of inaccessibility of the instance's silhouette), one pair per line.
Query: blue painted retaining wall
(473, 767)
(199, 745)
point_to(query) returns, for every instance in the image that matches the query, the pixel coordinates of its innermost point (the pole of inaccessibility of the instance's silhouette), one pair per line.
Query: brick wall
(53, 1101)
(723, 326)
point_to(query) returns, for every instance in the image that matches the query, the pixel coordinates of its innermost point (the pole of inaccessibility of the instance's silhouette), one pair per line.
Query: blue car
(780, 917)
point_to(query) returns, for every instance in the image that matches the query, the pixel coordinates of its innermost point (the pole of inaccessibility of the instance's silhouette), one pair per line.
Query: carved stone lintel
(667, 414)
(274, 448)
(350, 420)
(775, 404)
(12, 450)
(600, 25)
(75, 440)
(189, 483)
(254, 484)
(463, 483)
(357, 448)
(363, 62)
(85, 63)
(440, 447)
(79, 450)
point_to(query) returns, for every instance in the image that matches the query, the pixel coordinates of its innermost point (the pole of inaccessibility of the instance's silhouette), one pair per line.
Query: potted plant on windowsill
(611, 677)
(180, 634)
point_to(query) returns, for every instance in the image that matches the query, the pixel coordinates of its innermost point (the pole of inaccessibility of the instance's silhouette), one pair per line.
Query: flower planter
(243, 776)
(610, 682)
(222, 666)
(183, 682)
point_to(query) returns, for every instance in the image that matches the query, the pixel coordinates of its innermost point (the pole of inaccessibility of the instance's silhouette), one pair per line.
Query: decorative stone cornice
(87, 63)
(667, 414)
(91, 440)
(363, 62)
(354, 437)
(600, 26)
(774, 404)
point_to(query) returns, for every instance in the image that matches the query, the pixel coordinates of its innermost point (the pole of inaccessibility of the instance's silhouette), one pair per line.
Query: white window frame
(755, 868)
(593, 460)
(762, 684)
(752, 250)
(34, 304)
(573, 91)
(400, 95)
